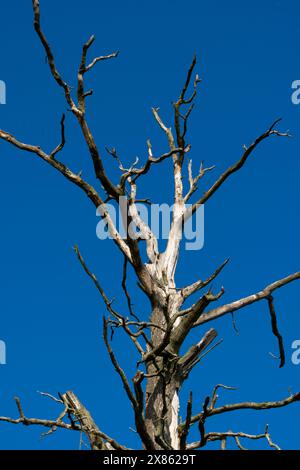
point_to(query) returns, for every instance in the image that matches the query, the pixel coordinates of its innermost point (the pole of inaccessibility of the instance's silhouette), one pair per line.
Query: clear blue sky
(50, 312)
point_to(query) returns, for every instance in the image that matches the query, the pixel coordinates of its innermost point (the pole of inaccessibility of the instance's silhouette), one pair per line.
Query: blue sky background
(50, 312)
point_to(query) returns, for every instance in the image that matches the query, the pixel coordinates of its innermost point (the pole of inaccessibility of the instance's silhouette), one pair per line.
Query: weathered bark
(162, 401)
(165, 377)
(162, 408)
(85, 419)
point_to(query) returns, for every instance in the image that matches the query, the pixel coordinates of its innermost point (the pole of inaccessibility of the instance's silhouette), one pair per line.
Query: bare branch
(115, 363)
(154, 160)
(113, 55)
(222, 436)
(83, 68)
(76, 179)
(145, 231)
(238, 165)
(187, 81)
(134, 172)
(20, 409)
(241, 303)
(63, 140)
(80, 85)
(96, 282)
(183, 101)
(39, 422)
(98, 440)
(185, 430)
(167, 130)
(63, 169)
(191, 357)
(201, 422)
(36, 421)
(276, 331)
(194, 180)
(85, 420)
(208, 351)
(100, 173)
(121, 320)
(137, 380)
(238, 443)
(175, 332)
(214, 396)
(48, 395)
(193, 288)
(139, 418)
(188, 318)
(56, 75)
(172, 250)
(124, 287)
(249, 406)
(268, 437)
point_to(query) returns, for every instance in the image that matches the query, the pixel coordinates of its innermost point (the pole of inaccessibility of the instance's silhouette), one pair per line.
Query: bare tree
(162, 368)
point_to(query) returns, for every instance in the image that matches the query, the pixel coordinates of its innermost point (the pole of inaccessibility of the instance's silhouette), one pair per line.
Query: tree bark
(162, 401)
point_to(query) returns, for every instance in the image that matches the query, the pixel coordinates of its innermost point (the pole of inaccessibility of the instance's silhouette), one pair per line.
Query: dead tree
(162, 366)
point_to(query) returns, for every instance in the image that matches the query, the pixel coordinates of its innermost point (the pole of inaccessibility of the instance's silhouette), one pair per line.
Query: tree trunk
(162, 407)
(162, 401)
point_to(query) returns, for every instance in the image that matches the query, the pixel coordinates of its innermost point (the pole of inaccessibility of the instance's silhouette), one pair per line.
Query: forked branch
(244, 302)
(79, 417)
(224, 436)
(79, 110)
(239, 164)
(249, 405)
